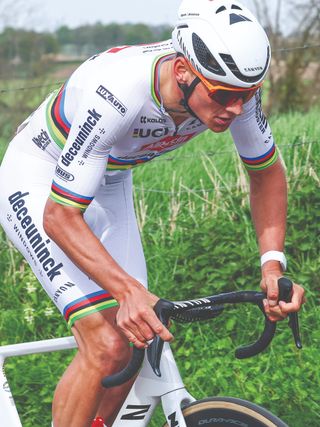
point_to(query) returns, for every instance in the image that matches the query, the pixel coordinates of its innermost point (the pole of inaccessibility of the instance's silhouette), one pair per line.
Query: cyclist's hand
(137, 319)
(279, 310)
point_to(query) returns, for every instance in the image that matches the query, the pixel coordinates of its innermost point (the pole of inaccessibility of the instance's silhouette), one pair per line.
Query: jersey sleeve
(253, 137)
(96, 126)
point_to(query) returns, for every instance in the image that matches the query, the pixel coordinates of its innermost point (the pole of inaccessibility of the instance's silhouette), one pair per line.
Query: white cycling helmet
(223, 41)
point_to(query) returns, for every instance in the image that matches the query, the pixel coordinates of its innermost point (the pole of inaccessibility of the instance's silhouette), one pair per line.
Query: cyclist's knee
(101, 345)
(110, 354)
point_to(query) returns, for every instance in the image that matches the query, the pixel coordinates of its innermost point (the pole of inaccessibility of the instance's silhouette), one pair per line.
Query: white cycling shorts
(25, 181)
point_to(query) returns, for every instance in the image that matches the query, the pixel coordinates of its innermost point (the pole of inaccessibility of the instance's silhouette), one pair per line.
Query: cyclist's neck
(171, 94)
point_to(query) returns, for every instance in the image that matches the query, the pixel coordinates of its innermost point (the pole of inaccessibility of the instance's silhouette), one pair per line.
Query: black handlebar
(205, 308)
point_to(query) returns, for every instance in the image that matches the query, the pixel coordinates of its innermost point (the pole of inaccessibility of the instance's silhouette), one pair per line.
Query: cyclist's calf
(102, 351)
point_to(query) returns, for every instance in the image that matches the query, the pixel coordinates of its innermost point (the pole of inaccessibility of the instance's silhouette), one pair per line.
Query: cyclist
(66, 183)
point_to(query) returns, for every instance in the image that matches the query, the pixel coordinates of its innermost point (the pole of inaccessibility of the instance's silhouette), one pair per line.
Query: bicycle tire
(228, 412)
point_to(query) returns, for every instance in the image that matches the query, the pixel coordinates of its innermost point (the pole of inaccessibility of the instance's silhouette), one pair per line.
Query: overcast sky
(148, 11)
(51, 14)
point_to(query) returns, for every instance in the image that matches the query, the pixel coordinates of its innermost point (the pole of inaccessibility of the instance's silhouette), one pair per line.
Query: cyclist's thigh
(25, 181)
(112, 218)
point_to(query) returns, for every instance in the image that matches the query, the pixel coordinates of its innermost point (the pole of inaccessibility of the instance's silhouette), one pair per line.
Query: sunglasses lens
(227, 98)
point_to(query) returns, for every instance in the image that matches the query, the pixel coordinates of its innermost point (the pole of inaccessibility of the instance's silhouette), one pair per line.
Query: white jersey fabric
(78, 148)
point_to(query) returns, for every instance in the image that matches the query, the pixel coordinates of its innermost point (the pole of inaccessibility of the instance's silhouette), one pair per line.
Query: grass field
(193, 213)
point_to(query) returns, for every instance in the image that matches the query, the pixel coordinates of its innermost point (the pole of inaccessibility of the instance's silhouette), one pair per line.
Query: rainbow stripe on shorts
(92, 303)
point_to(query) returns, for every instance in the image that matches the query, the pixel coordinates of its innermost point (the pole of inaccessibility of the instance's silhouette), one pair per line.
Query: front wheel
(228, 412)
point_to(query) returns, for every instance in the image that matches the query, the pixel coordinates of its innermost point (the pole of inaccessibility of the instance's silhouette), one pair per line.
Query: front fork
(173, 404)
(148, 390)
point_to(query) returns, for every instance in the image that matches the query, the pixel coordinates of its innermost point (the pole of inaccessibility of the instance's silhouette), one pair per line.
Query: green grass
(192, 208)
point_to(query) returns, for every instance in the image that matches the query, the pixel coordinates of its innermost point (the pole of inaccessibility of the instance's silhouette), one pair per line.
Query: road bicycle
(158, 378)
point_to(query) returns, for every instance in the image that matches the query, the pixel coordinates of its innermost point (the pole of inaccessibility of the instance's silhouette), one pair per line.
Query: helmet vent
(234, 6)
(205, 57)
(234, 18)
(221, 9)
(230, 63)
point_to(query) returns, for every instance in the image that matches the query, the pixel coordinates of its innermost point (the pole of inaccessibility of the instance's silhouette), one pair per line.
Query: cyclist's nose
(236, 107)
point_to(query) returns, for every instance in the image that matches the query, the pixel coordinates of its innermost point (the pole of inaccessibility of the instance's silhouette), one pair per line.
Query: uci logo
(146, 133)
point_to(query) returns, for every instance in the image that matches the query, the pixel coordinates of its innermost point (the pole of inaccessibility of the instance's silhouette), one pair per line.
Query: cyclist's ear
(182, 71)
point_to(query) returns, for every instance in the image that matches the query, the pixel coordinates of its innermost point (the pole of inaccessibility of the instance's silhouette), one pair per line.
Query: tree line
(293, 80)
(25, 54)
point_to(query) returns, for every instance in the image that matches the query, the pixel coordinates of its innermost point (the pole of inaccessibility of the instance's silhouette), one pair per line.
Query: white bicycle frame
(146, 393)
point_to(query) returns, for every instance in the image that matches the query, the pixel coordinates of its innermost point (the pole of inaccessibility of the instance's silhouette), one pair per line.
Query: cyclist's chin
(219, 126)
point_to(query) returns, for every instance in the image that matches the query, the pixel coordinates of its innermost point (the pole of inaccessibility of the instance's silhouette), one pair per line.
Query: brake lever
(294, 325)
(293, 317)
(163, 310)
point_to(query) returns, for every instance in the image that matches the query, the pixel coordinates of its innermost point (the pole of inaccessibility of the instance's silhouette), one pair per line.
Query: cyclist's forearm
(268, 197)
(67, 228)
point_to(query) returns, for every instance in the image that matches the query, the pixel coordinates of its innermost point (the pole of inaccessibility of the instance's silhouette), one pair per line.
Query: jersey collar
(155, 80)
